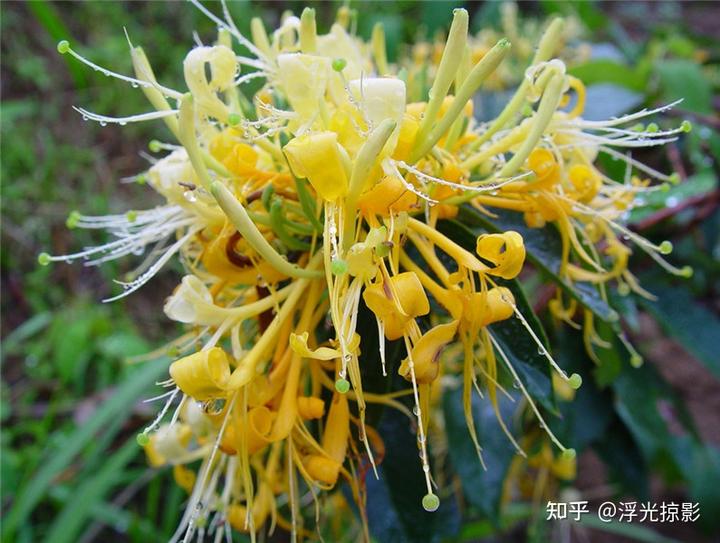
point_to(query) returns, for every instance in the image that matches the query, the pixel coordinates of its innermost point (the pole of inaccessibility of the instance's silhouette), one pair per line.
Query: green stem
(244, 224)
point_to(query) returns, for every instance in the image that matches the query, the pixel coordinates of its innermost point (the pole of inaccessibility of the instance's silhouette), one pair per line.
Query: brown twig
(712, 199)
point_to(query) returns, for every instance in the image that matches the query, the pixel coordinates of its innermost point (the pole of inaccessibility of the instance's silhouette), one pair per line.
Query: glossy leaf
(483, 488)
(394, 507)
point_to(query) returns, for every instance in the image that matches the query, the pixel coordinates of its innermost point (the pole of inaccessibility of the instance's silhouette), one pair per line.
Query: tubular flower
(325, 197)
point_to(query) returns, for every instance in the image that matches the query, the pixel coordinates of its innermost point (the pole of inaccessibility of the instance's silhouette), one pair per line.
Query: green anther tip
(623, 289)
(63, 46)
(613, 316)
(131, 215)
(686, 126)
(504, 43)
(636, 361)
(338, 267)
(73, 219)
(569, 454)
(652, 127)
(44, 259)
(674, 178)
(430, 502)
(686, 271)
(665, 187)
(575, 381)
(142, 439)
(154, 146)
(342, 385)
(339, 64)
(234, 119)
(666, 247)
(639, 127)
(141, 179)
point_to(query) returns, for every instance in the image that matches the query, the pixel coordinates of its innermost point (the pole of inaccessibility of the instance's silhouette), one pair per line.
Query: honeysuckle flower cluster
(423, 57)
(320, 194)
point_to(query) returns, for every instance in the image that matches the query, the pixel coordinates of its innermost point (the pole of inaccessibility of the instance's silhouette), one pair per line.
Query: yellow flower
(203, 375)
(318, 157)
(506, 251)
(397, 302)
(425, 354)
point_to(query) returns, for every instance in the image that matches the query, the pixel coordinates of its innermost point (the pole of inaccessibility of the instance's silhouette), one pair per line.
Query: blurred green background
(71, 405)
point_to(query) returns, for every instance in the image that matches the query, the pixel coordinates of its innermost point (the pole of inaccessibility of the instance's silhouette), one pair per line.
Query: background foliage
(70, 404)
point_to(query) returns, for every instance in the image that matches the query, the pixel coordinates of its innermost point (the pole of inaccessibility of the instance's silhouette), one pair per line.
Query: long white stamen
(103, 119)
(627, 118)
(140, 281)
(230, 28)
(534, 408)
(164, 410)
(170, 93)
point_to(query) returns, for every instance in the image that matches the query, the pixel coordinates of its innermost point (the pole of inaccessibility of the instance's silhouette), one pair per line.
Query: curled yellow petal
(298, 343)
(320, 468)
(255, 432)
(426, 353)
(203, 375)
(506, 251)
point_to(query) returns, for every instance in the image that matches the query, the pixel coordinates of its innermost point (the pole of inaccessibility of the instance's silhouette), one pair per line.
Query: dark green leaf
(394, 508)
(696, 328)
(89, 493)
(624, 460)
(585, 418)
(483, 488)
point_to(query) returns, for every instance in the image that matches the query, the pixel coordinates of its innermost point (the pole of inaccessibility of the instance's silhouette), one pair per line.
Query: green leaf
(705, 482)
(584, 419)
(684, 79)
(696, 328)
(524, 354)
(623, 458)
(483, 488)
(543, 248)
(90, 492)
(118, 406)
(14, 340)
(394, 508)
(604, 70)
